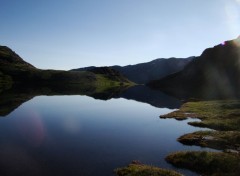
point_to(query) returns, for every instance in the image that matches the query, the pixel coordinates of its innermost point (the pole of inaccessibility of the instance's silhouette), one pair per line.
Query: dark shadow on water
(153, 97)
(12, 98)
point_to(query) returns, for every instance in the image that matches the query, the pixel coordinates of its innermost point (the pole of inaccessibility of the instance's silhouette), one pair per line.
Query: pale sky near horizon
(66, 34)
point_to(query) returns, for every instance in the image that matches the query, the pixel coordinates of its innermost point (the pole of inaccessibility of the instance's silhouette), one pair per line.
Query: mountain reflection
(11, 99)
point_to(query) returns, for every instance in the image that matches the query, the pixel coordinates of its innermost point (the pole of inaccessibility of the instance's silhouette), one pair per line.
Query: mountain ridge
(142, 73)
(14, 70)
(215, 73)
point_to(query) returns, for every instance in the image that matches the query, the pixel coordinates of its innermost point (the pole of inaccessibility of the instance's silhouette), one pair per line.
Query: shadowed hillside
(215, 74)
(14, 70)
(10, 58)
(144, 72)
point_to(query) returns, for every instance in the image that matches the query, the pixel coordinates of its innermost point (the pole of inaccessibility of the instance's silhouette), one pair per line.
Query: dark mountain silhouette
(144, 72)
(14, 70)
(214, 74)
(9, 58)
(10, 66)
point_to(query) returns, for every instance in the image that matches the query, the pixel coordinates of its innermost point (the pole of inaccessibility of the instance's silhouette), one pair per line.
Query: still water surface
(81, 136)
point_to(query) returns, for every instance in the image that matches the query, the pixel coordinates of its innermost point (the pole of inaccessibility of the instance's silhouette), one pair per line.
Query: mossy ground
(144, 170)
(221, 140)
(222, 116)
(207, 163)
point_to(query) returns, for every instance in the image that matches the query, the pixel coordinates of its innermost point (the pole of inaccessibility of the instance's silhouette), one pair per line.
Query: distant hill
(214, 74)
(14, 70)
(109, 72)
(145, 72)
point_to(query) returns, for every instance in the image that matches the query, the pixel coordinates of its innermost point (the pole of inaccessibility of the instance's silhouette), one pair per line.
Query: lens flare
(237, 1)
(232, 12)
(31, 128)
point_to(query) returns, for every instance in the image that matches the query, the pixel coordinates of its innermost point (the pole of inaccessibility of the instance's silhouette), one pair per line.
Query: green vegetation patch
(221, 115)
(207, 163)
(105, 83)
(222, 140)
(138, 169)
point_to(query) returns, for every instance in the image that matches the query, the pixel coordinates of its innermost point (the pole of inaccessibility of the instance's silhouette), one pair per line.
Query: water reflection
(152, 97)
(52, 134)
(13, 98)
(78, 135)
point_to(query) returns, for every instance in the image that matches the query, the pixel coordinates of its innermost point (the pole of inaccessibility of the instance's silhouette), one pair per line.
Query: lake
(82, 136)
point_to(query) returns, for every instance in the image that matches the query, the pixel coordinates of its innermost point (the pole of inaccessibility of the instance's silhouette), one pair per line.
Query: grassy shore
(223, 117)
(221, 140)
(207, 163)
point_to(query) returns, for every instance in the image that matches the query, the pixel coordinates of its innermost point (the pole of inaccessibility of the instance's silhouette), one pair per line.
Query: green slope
(15, 71)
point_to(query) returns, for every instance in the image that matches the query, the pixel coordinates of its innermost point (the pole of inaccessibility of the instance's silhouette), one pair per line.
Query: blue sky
(66, 34)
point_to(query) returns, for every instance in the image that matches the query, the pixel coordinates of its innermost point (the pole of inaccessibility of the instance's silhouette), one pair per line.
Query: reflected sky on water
(78, 135)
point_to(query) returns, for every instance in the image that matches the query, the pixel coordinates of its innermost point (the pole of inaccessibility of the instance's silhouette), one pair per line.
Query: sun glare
(237, 42)
(233, 17)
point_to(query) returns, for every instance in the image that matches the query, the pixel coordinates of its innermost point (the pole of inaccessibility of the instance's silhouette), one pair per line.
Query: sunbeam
(232, 11)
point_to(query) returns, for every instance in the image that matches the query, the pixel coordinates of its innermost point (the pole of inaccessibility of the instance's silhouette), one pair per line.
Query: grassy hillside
(142, 73)
(9, 57)
(15, 71)
(20, 81)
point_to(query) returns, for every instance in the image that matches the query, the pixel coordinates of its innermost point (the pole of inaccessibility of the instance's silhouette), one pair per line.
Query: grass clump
(221, 140)
(221, 115)
(137, 169)
(207, 163)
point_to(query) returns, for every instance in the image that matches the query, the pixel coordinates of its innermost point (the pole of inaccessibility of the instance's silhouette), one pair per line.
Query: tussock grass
(221, 140)
(144, 170)
(207, 163)
(221, 115)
